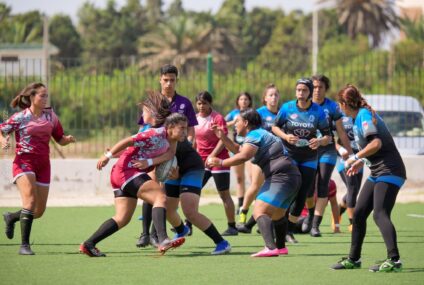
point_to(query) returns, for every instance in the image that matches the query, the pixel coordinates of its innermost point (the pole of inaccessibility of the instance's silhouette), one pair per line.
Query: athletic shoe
(91, 250)
(230, 232)
(243, 229)
(346, 263)
(154, 241)
(168, 244)
(190, 227)
(315, 232)
(387, 266)
(242, 218)
(26, 250)
(306, 225)
(10, 226)
(222, 248)
(290, 238)
(266, 252)
(143, 240)
(185, 232)
(283, 251)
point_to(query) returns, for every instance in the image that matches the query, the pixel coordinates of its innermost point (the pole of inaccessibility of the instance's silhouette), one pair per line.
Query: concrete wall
(78, 182)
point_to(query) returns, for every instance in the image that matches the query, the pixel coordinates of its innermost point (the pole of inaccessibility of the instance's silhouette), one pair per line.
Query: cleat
(387, 266)
(169, 244)
(10, 226)
(290, 238)
(230, 232)
(266, 252)
(154, 241)
(185, 232)
(143, 241)
(190, 227)
(222, 248)
(26, 250)
(90, 250)
(306, 225)
(346, 263)
(243, 229)
(315, 232)
(283, 251)
(242, 218)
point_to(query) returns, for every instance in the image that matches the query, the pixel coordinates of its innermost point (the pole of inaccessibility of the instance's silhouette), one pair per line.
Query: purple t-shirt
(182, 105)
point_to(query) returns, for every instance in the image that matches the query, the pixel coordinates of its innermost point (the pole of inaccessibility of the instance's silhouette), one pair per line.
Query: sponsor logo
(365, 125)
(311, 118)
(302, 132)
(182, 106)
(302, 125)
(293, 116)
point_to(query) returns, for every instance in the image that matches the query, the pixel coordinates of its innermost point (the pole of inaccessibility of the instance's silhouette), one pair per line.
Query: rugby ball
(162, 170)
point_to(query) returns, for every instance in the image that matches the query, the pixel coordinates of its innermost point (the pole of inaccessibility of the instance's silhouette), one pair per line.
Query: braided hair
(351, 96)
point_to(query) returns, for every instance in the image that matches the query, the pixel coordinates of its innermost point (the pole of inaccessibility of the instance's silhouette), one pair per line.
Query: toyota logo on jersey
(302, 132)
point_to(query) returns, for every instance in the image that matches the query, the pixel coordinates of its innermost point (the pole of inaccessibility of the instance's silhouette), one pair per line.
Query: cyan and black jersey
(333, 114)
(270, 153)
(303, 124)
(267, 117)
(348, 127)
(387, 160)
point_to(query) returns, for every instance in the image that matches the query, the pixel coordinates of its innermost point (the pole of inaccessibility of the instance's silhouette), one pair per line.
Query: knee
(378, 216)
(38, 213)
(190, 214)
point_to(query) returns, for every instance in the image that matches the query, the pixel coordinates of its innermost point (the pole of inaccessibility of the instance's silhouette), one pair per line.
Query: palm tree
(369, 17)
(183, 42)
(414, 28)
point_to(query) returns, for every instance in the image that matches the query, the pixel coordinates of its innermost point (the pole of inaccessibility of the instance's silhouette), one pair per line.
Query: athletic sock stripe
(28, 212)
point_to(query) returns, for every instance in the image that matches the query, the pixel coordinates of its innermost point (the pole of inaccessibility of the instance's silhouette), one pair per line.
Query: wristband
(109, 154)
(356, 157)
(149, 162)
(342, 151)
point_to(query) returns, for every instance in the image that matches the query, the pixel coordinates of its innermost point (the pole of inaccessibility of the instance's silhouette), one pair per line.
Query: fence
(97, 101)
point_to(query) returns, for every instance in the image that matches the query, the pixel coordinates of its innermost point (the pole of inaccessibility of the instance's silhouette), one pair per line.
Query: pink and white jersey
(147, 144)
(206, 139)
(33, 134)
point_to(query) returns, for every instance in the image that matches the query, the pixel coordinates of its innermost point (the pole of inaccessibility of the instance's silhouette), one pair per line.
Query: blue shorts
(328, 157)
(392, 179)
(309, 163)
(280, 194)
(190, 182)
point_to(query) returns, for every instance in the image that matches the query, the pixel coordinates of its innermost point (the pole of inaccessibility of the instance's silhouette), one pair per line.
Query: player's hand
(355, 168)
(67, 140)
(102, 162)
(219, 131)
(214, 162)
(314, 143)
(140, 164)
(5, 144)
(292, 139)
(174, 173)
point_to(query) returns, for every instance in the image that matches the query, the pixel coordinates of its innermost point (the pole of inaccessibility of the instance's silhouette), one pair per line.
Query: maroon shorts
(38, 165)
(332, 189)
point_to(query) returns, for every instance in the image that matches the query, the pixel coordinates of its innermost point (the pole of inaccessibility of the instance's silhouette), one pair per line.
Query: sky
(70, 7)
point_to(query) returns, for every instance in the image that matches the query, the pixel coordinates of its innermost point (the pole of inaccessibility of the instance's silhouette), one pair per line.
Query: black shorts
(222, 179)
(131, 188)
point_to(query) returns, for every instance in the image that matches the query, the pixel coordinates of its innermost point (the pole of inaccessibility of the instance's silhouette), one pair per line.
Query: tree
(21, 28)
(154, 12)
(414, 29)
(369, 17)
(232, 17)
(64, 36)
(175, 9)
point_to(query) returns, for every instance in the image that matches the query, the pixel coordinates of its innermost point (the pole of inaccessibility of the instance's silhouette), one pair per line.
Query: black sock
(147, 217)
(395, 258)
(108, 228)
(188, 223)
(213, 233)
(14, 217)
(240, 201)
(159, 221)
(280, 228)
(179, 229)
(232, 225)
(350, 221)
(311, 212)
(316, 221)
(245, 211)
(266, 228)
(251, 222)
(290, 227)
(26, 219)
(342, 209)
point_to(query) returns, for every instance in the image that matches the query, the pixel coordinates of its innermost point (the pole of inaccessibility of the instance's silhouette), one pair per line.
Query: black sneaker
(230, 232)
(190, 226)
(143, 241)
(315, 232)
(26, 250)
(10, 226)
(346, 263)
(290, 238)
(241, 228)
(387, 266)
(91, 250)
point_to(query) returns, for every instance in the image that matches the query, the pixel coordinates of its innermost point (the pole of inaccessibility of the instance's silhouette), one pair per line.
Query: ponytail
(23, 100)
(351, 96)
